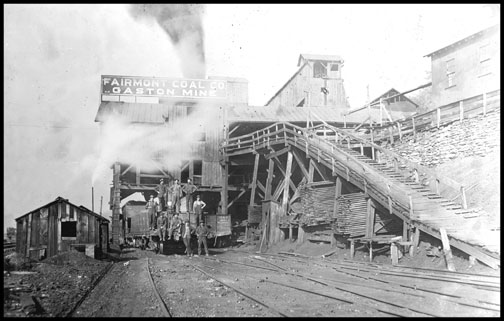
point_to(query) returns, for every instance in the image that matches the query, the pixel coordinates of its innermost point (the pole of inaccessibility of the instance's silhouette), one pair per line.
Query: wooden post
(393, 253)
(191, 170)
(337, 193)
(437, 186)
(267, 195)
(415, 240)
(344, 121)
(463, 196)
(224, 193)
(405, 231)
(447, 251)
(285, 199)
(484, 104)
(116, 204)
(370, 218)
(254, 180)
(461, 107)
(301, 235)
(400, 130)
(352, 249)
(29, 232)
(311, 171)
(414, 128)
(370, 251)
(361, 149)
(438, 117)
(290, 232)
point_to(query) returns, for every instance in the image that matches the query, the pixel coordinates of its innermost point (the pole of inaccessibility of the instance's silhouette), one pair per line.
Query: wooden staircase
(391, 184)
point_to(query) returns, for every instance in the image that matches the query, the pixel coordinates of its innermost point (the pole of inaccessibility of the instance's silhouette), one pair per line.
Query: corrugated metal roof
(319, 57)
(64, 200)
(134, 112)
(300, 114)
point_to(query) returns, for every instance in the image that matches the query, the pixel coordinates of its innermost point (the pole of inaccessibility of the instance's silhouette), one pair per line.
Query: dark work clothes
(189, 190)
(202, 233)
(151, 211)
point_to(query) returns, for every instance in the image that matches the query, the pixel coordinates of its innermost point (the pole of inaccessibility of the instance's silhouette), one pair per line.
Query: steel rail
(93, 285)
(240, 291)
(164, 307)
(318, 281)
(413, 287)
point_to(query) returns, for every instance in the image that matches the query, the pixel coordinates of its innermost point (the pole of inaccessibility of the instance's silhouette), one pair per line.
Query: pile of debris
(50, 288)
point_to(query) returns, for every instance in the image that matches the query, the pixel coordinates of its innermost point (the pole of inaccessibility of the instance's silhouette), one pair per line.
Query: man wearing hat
(187, 230)
(151, 211)
(161, 189)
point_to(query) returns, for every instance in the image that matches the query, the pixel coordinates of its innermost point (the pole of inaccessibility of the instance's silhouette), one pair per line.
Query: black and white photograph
(251, 160)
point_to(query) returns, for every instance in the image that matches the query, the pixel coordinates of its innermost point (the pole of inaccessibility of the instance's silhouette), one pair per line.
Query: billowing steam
(150, 147)
(183, 23)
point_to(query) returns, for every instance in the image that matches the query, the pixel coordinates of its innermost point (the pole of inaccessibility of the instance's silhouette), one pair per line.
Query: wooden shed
(58, 227)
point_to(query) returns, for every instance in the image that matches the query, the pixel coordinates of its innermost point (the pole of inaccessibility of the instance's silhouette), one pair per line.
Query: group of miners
(168, 201)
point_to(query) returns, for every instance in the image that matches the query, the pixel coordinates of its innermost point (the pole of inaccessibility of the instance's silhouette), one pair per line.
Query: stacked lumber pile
(351, 215)
(317, 204)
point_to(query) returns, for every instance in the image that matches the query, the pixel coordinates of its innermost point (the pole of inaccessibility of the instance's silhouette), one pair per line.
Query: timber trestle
(417, 195)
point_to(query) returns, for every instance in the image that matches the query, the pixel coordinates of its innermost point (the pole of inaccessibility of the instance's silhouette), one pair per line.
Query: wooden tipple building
(296, 164)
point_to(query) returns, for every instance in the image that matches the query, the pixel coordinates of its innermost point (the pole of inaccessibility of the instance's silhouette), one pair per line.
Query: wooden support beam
(269, 180)
(261, 187)
(311, 171)
(127, 169)
(301, 164)
(393, 253)
(236, 198)
(301, 235)
(233, 130)
(254, 180)
(191, 170)
(352, 249)
(277, 153)
(337, 193)
(370, 218)
(319, 170)
(224, 192)
(286, 184)
(278, 190)
(279, 165)
(446, 249)
(415, 238)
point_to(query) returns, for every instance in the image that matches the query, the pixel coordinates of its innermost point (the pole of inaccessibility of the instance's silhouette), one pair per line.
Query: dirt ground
(53, 287)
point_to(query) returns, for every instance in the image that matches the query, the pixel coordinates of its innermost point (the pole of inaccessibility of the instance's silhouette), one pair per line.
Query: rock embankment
(476, 136)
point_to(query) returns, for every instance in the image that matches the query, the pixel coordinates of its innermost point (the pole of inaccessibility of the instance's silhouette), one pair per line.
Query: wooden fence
(437, 117)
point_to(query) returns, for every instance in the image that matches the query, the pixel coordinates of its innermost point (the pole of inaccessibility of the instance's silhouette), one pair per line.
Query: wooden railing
(439, 116)
(437, 183)
(329, 151)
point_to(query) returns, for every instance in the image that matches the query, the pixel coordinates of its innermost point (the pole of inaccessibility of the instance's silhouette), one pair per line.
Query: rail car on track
(138, 234)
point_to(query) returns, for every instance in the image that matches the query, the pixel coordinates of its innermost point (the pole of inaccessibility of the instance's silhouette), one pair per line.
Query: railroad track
(164, 306)
(361, 280)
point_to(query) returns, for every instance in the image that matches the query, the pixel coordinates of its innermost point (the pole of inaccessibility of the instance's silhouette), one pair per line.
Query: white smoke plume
(183, 24)
(148, 146)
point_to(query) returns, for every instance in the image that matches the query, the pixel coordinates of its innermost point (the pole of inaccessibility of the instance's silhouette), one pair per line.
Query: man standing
(202, 233)
(174, 224)
(151, 212)
(176, 190)
(161, 190)
(162, 223)
(189, 190)
(198, 207)
(187, 230)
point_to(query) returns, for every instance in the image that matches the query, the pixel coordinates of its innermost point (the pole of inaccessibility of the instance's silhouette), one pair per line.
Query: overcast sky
(54, 56)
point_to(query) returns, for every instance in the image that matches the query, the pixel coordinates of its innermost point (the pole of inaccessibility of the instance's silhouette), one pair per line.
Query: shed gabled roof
(481, 33)
(331, 58)
(389, 93)
(65, 200)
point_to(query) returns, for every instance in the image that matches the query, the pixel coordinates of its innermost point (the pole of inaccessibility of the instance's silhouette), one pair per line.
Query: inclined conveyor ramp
(396, 183)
